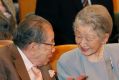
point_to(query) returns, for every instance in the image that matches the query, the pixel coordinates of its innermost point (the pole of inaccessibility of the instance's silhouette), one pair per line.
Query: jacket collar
(19, 64)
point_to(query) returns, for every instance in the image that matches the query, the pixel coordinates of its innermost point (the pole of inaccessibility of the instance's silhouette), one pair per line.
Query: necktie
(85, 3)
(35, 74)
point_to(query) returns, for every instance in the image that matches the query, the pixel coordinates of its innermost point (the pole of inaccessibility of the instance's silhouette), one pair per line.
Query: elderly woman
(93, 60)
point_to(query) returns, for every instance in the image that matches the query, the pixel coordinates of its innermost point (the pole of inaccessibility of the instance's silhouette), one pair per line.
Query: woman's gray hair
(97, 16)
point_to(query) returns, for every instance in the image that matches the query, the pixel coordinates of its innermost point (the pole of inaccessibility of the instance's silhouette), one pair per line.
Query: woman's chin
(86, 53)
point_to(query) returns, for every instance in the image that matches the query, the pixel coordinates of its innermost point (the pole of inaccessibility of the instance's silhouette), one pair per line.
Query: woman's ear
(105, 38)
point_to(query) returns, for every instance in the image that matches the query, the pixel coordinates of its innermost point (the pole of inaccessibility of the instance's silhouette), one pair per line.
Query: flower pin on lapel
(51, 72)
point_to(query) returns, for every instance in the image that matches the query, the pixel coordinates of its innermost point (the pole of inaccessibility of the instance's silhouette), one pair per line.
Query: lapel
(19, 64)
(21, 69)
(45, 73)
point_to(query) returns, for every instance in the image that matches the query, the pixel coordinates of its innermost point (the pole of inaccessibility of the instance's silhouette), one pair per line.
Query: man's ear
(33, 45)
(29, 48)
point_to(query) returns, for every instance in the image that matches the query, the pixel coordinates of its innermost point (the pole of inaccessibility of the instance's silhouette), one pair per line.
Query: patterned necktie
(85, 3)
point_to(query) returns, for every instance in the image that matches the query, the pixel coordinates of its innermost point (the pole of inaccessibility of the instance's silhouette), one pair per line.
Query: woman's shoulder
(112, 49)
(70, 56)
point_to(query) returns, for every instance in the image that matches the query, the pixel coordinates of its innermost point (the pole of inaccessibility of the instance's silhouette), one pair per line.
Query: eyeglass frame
(50, 44)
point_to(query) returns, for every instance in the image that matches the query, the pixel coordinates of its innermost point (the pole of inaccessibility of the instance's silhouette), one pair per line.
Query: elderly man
(34, 39)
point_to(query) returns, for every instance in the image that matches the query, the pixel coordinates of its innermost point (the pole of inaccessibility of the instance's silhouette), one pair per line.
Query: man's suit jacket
(61, 14)
(12, 66)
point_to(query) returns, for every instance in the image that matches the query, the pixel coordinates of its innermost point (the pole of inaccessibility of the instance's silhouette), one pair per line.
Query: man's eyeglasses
(50, 44)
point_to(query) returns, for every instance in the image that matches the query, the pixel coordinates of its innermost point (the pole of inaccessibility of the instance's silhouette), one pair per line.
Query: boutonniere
(51, 72)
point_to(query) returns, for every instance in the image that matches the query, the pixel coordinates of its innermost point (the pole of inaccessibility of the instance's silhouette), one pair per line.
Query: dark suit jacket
(61, 14)
(12, 66)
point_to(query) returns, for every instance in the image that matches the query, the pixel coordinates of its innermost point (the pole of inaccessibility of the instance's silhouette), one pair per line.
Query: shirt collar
(27, 62)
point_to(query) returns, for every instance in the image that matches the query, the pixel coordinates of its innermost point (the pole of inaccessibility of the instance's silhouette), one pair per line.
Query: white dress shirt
(28, 64)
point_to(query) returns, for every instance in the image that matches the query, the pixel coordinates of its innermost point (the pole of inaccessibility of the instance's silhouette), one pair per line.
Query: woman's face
(88, 40)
